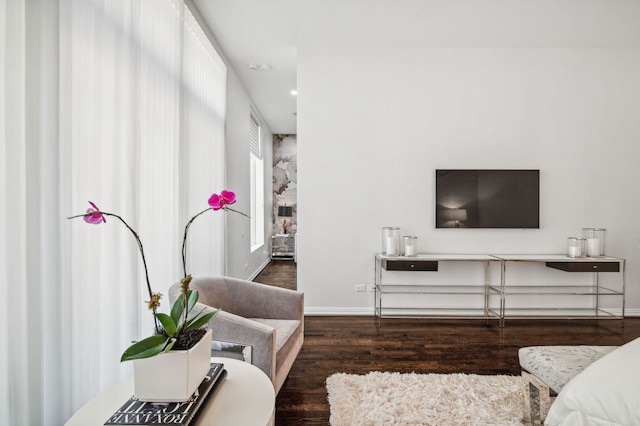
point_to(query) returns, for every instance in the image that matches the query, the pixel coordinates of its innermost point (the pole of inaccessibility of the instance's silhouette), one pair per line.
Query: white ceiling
(271, 32)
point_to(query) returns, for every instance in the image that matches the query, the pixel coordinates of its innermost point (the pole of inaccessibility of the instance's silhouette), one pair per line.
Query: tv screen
(488, 199)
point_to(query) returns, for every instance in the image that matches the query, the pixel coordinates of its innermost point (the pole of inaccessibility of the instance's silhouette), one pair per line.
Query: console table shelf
(548, 290)
(504, 299)
(480, 292)
(433, 289)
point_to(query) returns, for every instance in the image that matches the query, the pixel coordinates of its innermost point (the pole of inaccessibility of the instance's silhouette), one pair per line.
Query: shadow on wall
(285, 183)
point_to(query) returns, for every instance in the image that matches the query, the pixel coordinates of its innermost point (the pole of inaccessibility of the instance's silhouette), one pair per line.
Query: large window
(257, 183)
(121, 102)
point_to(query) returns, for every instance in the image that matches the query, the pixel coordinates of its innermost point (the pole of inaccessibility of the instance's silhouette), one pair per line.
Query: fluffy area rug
(382, 398)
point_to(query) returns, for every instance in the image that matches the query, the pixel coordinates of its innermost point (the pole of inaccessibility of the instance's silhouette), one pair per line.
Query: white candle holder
(391, 241)
(594, 241)
(576, 247)
(409, 245)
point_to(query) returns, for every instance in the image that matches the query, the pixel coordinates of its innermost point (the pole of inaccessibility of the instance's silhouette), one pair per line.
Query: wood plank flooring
(362, 344)
(280, 273)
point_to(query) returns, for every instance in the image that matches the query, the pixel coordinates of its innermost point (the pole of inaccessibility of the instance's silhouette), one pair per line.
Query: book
(136, 412)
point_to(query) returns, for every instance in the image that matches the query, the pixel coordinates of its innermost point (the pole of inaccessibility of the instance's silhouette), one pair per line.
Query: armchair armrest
(233, 328)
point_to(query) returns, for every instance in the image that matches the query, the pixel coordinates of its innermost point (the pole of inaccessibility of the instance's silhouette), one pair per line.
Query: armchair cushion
(284, 329)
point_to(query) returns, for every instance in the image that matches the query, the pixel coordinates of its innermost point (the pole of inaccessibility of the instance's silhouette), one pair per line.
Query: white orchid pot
(172, 376)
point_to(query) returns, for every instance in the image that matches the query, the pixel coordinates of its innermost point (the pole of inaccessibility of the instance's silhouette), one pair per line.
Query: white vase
(172, 376)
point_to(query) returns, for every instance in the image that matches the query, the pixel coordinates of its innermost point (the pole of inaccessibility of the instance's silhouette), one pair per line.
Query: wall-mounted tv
(488, 199)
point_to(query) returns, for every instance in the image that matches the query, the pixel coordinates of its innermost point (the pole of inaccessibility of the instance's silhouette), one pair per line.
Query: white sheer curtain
(121, 102)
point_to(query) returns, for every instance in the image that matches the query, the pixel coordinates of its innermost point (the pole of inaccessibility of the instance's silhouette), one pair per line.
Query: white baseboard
(260, 269)
(627, 312)
(330, 311)
(342, 311)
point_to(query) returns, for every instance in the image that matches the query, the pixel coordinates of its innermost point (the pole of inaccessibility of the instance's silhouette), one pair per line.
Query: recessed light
(294, 92)
(259, 67)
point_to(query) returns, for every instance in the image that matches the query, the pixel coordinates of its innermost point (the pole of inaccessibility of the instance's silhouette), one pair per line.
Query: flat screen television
(488, 199)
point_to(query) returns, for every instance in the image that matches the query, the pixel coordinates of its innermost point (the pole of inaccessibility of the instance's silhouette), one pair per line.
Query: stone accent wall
(285, 180)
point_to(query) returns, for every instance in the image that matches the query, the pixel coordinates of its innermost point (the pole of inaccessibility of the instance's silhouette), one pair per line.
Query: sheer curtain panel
(119, 102)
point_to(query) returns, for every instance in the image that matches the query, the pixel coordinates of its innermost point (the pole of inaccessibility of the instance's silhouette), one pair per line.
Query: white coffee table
(246, 397)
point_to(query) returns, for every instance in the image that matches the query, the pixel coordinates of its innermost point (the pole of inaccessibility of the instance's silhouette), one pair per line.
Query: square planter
(173, 376)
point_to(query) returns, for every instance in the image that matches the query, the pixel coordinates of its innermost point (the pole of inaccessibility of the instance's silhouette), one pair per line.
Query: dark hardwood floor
(281, 273)
(362, 344)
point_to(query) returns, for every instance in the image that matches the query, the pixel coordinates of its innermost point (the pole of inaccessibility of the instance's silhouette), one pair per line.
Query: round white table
(246, 397)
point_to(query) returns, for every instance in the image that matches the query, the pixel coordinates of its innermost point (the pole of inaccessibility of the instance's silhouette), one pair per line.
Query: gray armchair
(270, 319)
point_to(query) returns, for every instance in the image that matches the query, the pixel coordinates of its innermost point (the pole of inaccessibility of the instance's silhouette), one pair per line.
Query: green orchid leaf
(193, 299)
(177, 309)
(188, 324)
(172, 342)
(180, 330)
(145, 348)
(201, 321)
(168, 324)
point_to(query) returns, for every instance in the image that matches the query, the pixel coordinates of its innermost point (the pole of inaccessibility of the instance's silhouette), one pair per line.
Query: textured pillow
(605, 393)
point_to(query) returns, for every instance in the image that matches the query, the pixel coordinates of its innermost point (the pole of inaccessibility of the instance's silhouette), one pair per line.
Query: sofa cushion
(557, 365)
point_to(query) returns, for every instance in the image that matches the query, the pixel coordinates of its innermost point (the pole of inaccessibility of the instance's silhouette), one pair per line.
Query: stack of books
(136, 412)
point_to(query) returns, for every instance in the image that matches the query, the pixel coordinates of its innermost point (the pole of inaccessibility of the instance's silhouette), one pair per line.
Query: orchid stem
(135, 235)
(184, 241)
(186, 231)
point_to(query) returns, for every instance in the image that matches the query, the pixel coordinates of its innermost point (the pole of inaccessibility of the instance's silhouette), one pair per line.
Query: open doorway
(279, 273)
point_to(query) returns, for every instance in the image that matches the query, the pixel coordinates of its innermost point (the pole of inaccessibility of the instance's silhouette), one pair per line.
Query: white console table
(584, 265)
(481, 290)
(499, 296)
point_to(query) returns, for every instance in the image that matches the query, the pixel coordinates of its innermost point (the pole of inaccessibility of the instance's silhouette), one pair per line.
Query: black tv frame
(487, 198)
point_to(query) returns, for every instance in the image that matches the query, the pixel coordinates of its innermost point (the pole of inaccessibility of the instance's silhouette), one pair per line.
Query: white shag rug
(382, 398)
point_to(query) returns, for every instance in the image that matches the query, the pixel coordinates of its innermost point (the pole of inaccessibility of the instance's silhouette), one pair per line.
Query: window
(257, 183)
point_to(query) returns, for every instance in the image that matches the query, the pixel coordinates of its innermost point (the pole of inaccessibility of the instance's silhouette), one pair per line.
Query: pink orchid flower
(218, 202)
(95, 217)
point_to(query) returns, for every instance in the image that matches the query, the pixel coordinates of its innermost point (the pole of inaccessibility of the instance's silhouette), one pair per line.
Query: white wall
(374, 124)
(241, 261)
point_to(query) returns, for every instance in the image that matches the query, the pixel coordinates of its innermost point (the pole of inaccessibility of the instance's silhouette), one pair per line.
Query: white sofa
(606, 393)
(547, 369)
